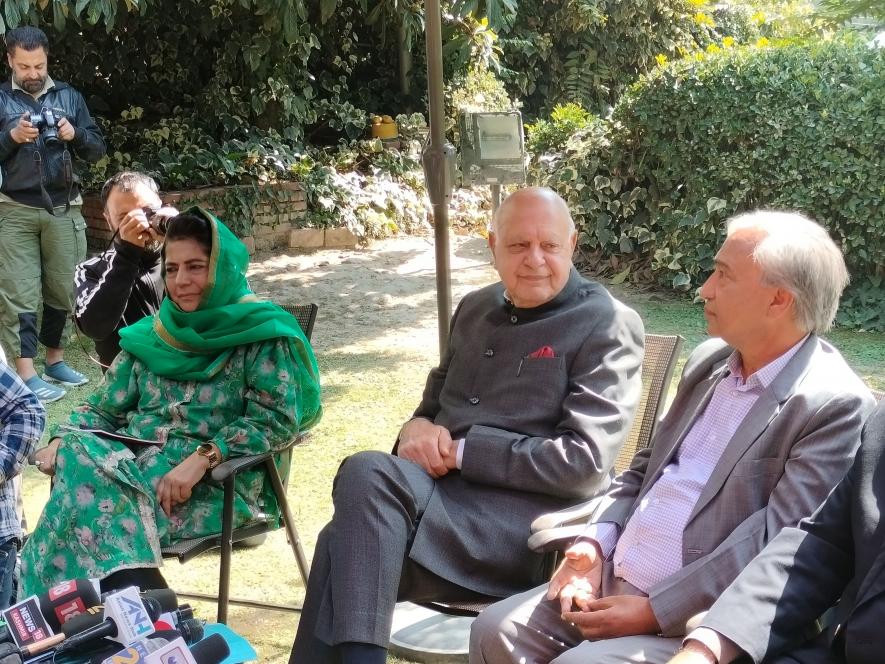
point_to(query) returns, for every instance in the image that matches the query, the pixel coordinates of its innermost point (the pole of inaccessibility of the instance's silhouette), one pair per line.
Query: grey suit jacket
(839, 551)
(540, 432)
(792, 448)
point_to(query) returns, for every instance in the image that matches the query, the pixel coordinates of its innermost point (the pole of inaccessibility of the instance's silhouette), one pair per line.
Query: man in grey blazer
(525, 414)
(837, 555)
(765, 421)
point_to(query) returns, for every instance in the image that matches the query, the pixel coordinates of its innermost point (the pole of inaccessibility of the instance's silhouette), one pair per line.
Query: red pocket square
(543, 351)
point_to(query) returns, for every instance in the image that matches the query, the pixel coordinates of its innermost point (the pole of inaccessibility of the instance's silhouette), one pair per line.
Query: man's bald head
(539, 197)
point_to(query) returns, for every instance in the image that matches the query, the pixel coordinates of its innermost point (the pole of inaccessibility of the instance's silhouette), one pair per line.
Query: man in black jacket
(43, 233)
(123, 284)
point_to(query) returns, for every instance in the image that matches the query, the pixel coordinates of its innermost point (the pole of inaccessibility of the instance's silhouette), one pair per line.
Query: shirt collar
(47, 86)
(764, 376)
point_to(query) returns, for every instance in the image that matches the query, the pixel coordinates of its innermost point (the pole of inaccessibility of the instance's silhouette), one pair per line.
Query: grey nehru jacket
(540, 432)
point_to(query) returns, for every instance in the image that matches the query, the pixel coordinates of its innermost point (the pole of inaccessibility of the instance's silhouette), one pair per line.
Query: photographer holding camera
(42, 233)
(124, 283)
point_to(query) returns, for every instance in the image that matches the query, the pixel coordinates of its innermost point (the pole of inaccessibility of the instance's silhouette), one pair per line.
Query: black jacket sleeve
(102, 287)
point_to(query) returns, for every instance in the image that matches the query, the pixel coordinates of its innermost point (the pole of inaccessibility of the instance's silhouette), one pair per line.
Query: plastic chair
(226, 473)
(661, 354)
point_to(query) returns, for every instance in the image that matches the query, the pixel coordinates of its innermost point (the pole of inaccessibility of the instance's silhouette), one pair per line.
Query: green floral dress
(103, 515)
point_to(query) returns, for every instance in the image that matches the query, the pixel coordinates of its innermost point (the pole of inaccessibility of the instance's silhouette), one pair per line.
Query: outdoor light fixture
(492, 148)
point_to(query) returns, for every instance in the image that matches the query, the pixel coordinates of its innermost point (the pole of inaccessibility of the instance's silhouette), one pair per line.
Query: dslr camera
(157, 218)
(47, 123)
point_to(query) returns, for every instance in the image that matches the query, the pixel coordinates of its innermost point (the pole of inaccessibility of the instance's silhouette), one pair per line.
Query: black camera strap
(67, 168)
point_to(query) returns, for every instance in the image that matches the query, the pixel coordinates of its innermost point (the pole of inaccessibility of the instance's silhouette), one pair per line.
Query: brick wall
(272, 221)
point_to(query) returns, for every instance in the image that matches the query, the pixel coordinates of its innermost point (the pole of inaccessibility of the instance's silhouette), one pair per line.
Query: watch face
(209, 452)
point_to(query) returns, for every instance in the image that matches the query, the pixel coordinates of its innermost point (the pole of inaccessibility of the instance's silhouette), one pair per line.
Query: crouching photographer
(124, 283)
(43, 125)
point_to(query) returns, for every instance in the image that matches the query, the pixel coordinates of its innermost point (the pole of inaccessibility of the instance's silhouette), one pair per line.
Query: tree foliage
(795, 127)
(588, 51)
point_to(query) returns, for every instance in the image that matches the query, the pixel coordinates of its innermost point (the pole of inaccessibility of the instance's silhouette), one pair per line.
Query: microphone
(127, 617)
(165, 596)
(67, 600)
(137, 651)
(95, 615)
(190, 630)
(211, 650)
(184, 612)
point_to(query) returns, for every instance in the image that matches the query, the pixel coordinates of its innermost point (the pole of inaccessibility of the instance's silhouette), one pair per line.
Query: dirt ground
(384, 292)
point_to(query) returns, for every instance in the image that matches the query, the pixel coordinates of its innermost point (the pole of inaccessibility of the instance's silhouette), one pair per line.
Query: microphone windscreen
(211, 650)
(165, 596)
(152, 606)
(191, 630)
(67, 600)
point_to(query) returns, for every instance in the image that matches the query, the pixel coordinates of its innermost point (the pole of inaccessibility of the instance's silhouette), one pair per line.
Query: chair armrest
(232, 466)
(554, 539)
(224, 470)
(576, 514)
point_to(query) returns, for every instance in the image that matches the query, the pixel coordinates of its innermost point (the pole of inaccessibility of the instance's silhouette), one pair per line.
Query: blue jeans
(8, 557)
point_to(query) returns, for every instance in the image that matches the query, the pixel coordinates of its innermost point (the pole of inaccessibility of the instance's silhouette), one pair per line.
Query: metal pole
(496, 197)
(437, 159)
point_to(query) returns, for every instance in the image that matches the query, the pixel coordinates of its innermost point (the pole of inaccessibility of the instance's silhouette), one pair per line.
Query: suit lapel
(757, 421)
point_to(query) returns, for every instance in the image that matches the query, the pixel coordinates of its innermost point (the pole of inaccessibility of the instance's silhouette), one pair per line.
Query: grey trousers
(361, 566)
(528, 629)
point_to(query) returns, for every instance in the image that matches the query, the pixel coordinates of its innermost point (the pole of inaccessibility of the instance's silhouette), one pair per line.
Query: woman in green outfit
(216, 373)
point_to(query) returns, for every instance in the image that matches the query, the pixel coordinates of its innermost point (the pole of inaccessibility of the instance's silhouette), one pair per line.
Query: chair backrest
(305, 314)
(661, 353)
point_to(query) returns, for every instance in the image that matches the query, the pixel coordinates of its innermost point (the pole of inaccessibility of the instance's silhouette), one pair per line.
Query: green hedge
(793, 126)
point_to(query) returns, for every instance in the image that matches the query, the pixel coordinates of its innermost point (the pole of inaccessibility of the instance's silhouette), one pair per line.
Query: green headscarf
(196, 345)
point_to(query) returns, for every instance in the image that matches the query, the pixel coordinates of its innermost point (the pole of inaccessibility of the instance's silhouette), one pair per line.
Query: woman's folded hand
(176, 485)
(44, 458)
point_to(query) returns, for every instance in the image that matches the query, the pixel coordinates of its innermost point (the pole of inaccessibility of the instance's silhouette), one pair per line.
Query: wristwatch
(209, 451)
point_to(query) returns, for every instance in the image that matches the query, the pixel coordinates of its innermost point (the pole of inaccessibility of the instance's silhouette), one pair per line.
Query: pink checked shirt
(650, 548)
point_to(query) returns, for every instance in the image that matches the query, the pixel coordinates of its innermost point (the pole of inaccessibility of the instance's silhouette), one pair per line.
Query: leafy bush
(553, 135)
(372, 191)
(793, 127)
(181, 156)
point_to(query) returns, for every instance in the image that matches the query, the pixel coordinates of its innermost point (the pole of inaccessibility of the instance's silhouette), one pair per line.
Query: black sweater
(116, 289)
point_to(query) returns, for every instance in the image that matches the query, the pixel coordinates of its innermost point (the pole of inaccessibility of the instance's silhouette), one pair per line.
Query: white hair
(545, 193)
(798, 254)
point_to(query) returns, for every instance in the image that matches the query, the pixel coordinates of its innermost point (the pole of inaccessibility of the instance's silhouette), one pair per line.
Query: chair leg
(280, 492)
(227, 529)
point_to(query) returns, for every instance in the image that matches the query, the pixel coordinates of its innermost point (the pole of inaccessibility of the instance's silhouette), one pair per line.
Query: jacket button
(513, 319)
(474, 400)
(489, 352)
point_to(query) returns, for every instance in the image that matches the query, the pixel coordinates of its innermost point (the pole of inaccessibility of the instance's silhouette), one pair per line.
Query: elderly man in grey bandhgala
(524, 415)
(765, 422)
